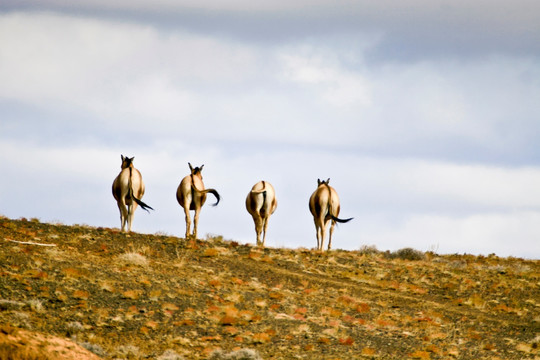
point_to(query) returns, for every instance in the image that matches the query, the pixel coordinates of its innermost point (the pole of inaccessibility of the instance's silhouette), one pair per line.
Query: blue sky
(424, 114)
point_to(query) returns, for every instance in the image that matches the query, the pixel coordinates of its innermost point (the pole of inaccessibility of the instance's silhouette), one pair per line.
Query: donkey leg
(322, 230)
(131, 214)
(331, 232)
(196, 222)
(323, 234)
(318, 234)
(258, 227)
(265, 227)
(123, 214)
(188, 220)
(129, 217)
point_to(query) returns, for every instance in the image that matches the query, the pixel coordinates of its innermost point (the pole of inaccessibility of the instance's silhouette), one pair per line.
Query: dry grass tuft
(170, 355)
(368, 250)
(128, 351)
(36, 305)
(133, 258)
(242, 354)
(74, 327)
(94, 348)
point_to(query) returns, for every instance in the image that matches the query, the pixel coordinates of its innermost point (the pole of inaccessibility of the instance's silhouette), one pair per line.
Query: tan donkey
(191, 195)
(324, 206)
(128, 190)
(261, 203)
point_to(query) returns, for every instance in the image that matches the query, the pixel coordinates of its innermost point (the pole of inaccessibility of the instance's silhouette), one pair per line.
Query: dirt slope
(161, 297)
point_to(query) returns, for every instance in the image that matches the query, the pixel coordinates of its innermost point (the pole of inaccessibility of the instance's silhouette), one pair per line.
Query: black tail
(215, 193)
(138, 201)
(206, 191)
(142, 205)
(340, 220)
(131, 195)
(336, 219)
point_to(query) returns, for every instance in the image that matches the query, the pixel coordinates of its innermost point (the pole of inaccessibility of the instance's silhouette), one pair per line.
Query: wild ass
(128, 190)
(261, 203)
(191, 195)
(324, 206)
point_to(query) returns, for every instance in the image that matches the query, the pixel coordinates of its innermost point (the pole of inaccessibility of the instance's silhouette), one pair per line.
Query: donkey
(261, 203)
(324, 206)
(128, 190)
(191, 195)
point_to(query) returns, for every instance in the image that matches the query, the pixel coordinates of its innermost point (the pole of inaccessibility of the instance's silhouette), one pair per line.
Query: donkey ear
(200, 169)
(133, 158)
(122, 156)
(318, 181)
(190, 167)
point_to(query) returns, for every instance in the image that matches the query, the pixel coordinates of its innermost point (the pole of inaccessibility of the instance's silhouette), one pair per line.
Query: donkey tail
(336, 219)
(206, 191)
(215, 193)
(131, 195)
(142, 205)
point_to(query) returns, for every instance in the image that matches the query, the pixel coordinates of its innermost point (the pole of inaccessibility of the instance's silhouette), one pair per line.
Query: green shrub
(406, 254)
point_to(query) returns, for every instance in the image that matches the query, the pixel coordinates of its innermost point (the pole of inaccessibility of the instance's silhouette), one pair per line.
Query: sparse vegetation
(36, 305)
(242, 354)
(406, 254)
(170, 355)
(133, 258)
(368, 250)
(94, 348)
(135, 296)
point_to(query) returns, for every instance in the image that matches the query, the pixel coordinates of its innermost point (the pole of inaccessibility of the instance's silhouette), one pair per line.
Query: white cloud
(172, 5)
(113, 70)
(487, 11)
(160, 82)
(333, 84)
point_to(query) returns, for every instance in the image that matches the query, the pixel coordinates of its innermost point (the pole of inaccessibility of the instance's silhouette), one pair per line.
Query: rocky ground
(132, 296)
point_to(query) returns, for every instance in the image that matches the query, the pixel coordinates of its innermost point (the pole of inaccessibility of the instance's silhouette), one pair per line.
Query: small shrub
(128, 350)
(406, 254)
(214, 238)
(170, 355)
(94, 348)
(74, 327)
(21, 319)
(36, 305)
(134, 258)
(368, 250)
(162, 233)
(242, 354)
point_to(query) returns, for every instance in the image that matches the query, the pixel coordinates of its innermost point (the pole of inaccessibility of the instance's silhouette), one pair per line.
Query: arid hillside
(134, 296)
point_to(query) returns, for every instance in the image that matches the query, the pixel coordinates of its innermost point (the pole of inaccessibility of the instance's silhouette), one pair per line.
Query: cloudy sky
(424, 114)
